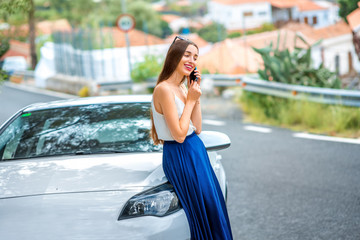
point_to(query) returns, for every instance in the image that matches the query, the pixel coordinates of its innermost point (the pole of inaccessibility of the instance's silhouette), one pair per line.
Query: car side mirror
(214, 141)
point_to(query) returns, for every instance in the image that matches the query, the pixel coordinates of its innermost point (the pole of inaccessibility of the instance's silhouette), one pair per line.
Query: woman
(176, 121)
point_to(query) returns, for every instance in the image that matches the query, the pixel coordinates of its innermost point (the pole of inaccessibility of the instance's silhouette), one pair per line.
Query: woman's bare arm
(196, 117)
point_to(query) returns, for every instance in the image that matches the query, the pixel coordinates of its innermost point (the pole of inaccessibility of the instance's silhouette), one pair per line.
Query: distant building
(240, 14)
(336, 50)
(316, 14)
(249, 14)
(18, 48)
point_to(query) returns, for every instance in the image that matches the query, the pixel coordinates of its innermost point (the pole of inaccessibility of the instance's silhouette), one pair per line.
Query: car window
(78, 130)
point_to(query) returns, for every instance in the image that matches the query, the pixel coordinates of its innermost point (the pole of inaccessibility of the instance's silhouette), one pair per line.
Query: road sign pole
(126, 23)
(128, 51)
(127, 40)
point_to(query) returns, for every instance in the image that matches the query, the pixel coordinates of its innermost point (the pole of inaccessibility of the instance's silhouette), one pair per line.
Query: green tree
(27, 7)
(77, 12)
(4, 45)
(165, 28)
(195, 9)
(346, 7)
(146, 18)
(214, 32)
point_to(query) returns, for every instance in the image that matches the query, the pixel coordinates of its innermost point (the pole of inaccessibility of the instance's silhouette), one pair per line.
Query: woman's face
(188, 61)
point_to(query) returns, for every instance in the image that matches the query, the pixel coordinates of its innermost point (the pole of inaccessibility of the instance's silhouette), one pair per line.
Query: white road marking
(213, 122)
(258, 129)
(326, 138)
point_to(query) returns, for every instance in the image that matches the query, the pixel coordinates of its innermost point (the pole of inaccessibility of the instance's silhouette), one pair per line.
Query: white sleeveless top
(161, 127)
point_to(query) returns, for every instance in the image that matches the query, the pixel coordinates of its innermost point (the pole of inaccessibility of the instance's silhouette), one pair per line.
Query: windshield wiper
(64, 154)
(98, 152)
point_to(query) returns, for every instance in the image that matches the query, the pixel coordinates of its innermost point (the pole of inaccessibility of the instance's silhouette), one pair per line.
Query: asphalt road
(280, 186)
(285, 187)
(13, 99)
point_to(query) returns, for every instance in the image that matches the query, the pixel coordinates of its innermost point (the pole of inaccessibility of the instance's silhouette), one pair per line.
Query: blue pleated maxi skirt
(188, 169)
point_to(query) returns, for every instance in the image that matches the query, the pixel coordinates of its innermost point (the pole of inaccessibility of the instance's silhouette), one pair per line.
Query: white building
(303, 11)
(336, 50)
(248, 14)
(333, 11)
(240, 14)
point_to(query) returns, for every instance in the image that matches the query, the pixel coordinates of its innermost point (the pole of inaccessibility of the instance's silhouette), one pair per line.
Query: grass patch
(301, 115)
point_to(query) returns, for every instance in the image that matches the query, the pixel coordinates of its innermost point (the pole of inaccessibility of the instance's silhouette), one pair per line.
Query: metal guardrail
(253, 84)
(114, 85)
(314, 94)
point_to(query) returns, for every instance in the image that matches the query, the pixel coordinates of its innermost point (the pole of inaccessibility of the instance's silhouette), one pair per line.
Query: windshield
(78, 130)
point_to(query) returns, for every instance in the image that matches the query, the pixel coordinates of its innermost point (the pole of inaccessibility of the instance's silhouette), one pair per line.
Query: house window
(306, 20)
(314, 20)
(263, 13)
(247, 14)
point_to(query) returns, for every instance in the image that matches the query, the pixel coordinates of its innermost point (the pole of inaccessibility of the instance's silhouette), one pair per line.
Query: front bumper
(89, 215)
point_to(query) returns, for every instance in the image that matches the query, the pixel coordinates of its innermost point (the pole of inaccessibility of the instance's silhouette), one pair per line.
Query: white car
(87, 169)
(12, 64)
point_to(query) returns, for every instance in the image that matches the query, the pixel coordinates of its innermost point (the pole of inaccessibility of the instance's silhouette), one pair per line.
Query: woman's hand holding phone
(195, 76)
(194, 90)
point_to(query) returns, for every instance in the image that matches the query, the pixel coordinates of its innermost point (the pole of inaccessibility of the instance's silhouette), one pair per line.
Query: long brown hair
(173, 57)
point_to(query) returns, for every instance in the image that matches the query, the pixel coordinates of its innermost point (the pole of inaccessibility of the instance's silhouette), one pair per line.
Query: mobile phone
(193, 76)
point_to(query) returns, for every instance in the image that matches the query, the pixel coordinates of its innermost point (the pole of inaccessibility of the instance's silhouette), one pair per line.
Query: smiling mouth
(188, 67)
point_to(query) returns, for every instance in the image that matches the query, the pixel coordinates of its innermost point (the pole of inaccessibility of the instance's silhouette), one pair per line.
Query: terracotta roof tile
(230, 57)
(283, 3)
(136, 38)
(303, 5)
(169, 17)
(234, 56)
(12, 53)
(18, 48)
(47, 27)
(200, 42)
(312, 34)
(43, 27)
(335, 30)
(264, 39)
(309, 6)
(354, 19)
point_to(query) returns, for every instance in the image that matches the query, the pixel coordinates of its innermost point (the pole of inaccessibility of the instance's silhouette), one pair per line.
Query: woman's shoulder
(162, 89)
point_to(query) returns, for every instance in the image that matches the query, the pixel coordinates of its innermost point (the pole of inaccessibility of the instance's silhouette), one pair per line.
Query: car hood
(77, 174)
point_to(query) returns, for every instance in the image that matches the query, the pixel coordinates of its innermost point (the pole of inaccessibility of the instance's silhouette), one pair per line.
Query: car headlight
(158, 201)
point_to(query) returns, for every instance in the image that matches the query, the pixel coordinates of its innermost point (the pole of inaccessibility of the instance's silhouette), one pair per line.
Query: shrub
(234, 35)
(295, 67)
(150, 67)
